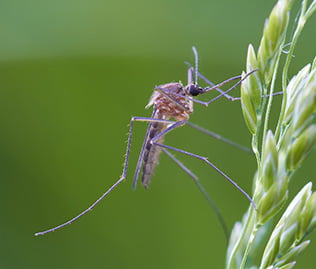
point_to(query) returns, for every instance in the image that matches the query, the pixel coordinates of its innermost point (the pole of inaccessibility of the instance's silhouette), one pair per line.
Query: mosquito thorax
(193, 90)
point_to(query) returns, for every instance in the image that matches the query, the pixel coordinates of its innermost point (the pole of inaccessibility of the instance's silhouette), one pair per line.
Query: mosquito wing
(149, 154)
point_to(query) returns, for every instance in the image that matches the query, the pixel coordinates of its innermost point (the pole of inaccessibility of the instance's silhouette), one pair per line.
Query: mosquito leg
(219, 137)
(123, 176)
(227, 91)
(202, 190)
(218, 96)
(204, 159)
(229, 97)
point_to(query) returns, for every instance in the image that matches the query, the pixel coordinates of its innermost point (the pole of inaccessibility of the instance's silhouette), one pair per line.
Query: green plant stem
(252, 215)
(269, 105)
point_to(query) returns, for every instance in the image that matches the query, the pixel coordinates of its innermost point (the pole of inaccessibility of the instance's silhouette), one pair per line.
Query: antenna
(196, 57)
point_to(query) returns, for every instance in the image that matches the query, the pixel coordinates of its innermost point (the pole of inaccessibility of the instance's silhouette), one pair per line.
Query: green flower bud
(284, 243)
(301, 147)
(273, 37)
(269, 161)
(311, 215)
(314, 63)
(270, 148)
(305, 105)
(292, 91)
(272, 249)
(306, 215)
(234, 237)
(286, 266)
(292, 254)
(287, 238)
(251, 92)
(272, 200)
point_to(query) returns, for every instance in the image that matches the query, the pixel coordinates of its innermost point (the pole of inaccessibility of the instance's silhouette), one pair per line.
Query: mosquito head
(193, 90)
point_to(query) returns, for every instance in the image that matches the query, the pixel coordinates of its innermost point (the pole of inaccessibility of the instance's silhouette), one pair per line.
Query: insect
(169, 101)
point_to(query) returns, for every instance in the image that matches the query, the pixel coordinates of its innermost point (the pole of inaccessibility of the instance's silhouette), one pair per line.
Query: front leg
(121, 179)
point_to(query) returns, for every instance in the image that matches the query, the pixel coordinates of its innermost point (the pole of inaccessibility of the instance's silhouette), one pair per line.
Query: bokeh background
(72, 73)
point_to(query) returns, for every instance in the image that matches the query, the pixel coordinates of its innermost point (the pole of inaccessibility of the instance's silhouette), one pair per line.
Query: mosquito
(171, 101)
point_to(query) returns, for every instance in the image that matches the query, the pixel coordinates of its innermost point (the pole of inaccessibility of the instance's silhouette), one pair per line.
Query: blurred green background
(72, 73)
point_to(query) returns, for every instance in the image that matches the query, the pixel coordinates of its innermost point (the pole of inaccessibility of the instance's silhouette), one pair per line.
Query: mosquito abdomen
(152, 152)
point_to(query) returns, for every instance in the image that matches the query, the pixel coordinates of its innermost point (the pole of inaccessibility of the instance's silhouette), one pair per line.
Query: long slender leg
(212, 85)
(123, 176)
(227, 91)
(203, 191)
(229, 97)
(204, 159)
(219, 137)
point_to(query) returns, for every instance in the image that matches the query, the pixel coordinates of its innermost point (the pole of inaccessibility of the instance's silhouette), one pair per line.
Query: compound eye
(194, 90)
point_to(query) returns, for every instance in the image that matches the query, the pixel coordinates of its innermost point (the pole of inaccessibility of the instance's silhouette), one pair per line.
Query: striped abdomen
(152, 152)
